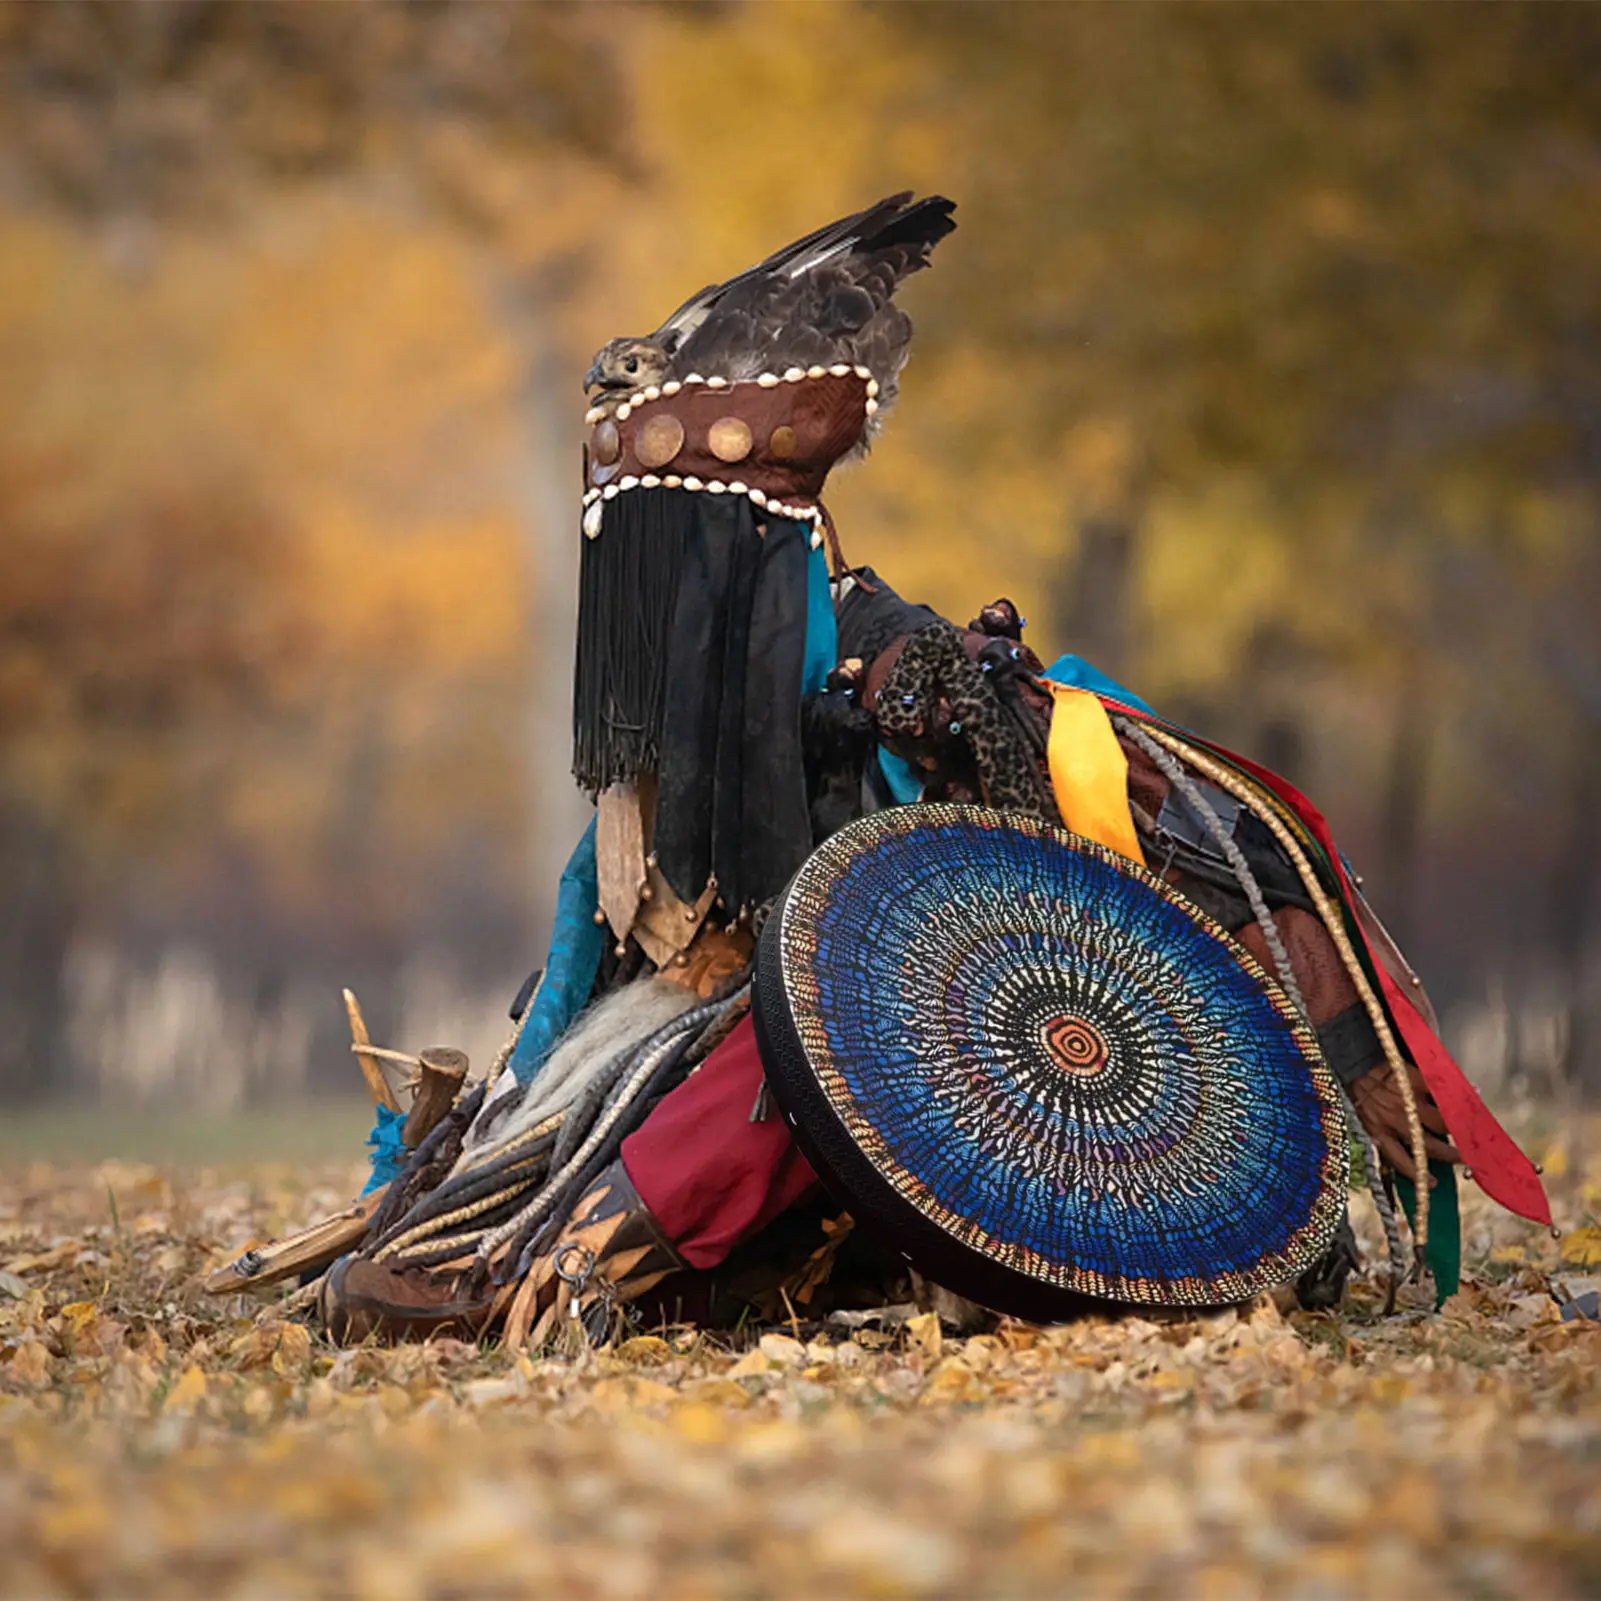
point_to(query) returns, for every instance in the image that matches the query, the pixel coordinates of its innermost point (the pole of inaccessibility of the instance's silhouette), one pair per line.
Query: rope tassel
(1329, 913)
(1173, 769)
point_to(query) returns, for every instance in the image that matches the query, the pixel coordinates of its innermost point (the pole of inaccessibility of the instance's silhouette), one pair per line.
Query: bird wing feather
(824, 298)
(794, 258)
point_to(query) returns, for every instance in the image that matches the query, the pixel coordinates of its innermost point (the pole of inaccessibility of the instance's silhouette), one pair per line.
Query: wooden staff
(377, 1083)
(441, 1072)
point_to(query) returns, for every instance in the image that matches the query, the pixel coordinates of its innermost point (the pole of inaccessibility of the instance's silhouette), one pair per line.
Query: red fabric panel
(1503, 1172)
(709, 1175)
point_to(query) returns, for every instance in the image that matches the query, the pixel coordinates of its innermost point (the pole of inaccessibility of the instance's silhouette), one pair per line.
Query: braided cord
(513, 1182)
(496, 1158)
(1170, 765)
(503, 1055)
(1173, 769)
(1329, 913)
(476, 1182)
(648, 1060)
(454, 1247)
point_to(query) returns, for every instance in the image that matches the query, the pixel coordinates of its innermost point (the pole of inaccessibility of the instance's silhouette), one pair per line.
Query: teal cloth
(1443, 1253)
(822, 630)
(1080, 674)
(388, 1150)
(576, 943)
(904, 780)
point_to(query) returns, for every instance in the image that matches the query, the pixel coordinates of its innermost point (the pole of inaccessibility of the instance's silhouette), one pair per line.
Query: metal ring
(581, 1277)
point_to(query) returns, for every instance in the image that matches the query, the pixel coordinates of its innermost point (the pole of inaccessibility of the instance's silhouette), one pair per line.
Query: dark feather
(826, 298)
(803, 252)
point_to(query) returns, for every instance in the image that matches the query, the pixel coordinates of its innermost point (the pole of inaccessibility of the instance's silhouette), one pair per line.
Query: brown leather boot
(363, 1300)
(610, 1251)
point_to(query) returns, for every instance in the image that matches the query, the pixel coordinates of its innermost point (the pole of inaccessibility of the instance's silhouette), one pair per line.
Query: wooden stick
(442, 1072)
(377, 1084)
(311, 1249)
(382, 1053)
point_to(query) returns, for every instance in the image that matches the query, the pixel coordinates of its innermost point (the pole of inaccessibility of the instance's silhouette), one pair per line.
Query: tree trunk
(35, 934)
(1576, 930)
(1096, 602)
(1404, 805)
(551, 405)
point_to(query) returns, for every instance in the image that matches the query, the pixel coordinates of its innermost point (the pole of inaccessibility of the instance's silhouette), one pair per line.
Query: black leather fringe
(691, 640)
(627, 591)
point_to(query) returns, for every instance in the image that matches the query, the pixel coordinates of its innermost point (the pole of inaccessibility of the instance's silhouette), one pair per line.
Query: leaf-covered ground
(156, 1442)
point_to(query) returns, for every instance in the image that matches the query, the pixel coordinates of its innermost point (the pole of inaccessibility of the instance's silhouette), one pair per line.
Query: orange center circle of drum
(607, 445)
(729, 439)
(659, 440)
(782, 445)
(1075, 1046)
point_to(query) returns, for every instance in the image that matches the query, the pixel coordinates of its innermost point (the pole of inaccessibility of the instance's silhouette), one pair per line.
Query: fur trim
(597, 1037)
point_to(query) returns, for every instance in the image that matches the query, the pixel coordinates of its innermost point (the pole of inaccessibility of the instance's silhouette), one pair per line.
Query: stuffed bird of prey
(824, 299)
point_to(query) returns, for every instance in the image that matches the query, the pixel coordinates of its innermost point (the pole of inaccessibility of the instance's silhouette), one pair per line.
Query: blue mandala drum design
(1041, 1072)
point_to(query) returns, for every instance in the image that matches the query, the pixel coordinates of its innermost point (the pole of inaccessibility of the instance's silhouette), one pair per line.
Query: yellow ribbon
(1089, 772)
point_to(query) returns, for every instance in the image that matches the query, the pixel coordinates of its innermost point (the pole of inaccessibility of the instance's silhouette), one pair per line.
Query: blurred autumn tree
(1263, 370)
(1319, 330)
(186, 636)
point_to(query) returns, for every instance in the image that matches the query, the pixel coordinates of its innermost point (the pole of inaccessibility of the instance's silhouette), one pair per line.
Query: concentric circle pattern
(1058, 1062)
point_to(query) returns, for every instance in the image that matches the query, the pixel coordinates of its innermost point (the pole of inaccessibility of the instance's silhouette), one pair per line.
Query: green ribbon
(1443, 1252)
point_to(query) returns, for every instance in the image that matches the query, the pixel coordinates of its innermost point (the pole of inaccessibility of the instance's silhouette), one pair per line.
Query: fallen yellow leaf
(751, 1365)
(923, 1335)
(293, 1350)
(718, 1392)
(62, 1255)
(953, 1381)
(645, 1350)
(625, 1393)
(30, 1363)
(187, 1393)
(79, 1313)
(647, 1392)
(702, 1424)
(783, 1351)
(1583, 1247)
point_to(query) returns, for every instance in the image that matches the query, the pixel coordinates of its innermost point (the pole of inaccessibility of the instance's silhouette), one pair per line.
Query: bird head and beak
(627, 364)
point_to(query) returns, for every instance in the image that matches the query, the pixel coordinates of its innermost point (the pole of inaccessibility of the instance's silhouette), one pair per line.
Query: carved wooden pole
(377, 1084)
(441, 1073)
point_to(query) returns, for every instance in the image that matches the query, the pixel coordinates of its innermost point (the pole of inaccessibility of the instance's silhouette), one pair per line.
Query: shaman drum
(1040, 1072)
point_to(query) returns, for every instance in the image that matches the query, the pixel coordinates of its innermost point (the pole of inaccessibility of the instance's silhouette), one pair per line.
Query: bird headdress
(825, 300)
(710, 440)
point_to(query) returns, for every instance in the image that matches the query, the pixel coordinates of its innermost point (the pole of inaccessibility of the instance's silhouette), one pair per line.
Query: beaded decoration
(1044, 1072)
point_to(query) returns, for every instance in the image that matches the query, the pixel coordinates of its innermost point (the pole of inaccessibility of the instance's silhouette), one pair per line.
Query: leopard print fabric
(936, 701)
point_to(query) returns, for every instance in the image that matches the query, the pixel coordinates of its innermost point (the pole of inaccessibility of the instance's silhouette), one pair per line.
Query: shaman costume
(1183, 990)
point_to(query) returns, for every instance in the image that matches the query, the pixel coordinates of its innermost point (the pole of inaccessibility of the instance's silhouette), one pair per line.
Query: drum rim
(860, 1185)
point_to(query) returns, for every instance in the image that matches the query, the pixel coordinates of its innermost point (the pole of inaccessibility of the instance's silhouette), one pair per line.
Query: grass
(304, 1132)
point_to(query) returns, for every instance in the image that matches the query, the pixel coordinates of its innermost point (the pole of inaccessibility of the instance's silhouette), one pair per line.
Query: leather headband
(771, 438)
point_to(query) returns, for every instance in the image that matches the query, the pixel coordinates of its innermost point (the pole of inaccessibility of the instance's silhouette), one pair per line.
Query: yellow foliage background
(1261, 370)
